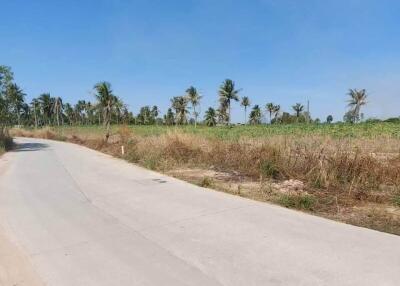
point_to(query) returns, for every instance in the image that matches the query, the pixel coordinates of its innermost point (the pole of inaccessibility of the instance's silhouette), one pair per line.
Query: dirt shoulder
(15, 266)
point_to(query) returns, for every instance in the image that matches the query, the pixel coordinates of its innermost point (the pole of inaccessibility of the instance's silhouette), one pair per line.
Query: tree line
(109, 109)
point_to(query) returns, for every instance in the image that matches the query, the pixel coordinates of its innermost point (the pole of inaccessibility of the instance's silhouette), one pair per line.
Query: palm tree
(227, 93)
(298, 108)
(89, 110)
(79, 109)
(329, 119)
(271, 109)
(107, 100)
(357, 99)
(154, 113)
(46, 105)
(118, 107)
(179, 103)
(69, 113)
(34, 104)
(277, 108)
(169, 117)
(255, 115)
(15, 96)
(58, 107)
(245, 103)
(194, 98)
(210, 117)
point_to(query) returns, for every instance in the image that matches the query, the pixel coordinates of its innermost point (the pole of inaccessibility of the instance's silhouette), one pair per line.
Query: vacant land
(350, 173)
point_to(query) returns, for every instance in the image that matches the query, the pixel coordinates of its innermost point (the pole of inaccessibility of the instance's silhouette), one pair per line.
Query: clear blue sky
(284, 51)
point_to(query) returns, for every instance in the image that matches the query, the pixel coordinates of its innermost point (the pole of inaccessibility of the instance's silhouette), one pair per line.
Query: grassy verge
(353, 178)
(5, 143)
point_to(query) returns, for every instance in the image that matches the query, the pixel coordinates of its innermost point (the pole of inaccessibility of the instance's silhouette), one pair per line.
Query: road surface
(85, 218)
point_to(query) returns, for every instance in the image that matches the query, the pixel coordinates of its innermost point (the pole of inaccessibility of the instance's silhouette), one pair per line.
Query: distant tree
(255, 115)
(329, 119)
(118, 107)
(46, 107)
(271, 109)
(358, 98)
(276, 110)
(154, 114)
(245, 103)
(194, 98)
(179, 103)
(222, 112)
(15, 97)
(210, 117)
(69, 113)
(145, 116)
(349, 117)
(89, 111)
(298, 108)
(34, 107)
(58, 107)
(79, 112)
(106, 100)
(227, 93)
(6, 78)
(169, 117)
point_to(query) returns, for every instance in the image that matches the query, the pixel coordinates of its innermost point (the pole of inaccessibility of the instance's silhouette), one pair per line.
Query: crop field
(362, 130)
(347, 172)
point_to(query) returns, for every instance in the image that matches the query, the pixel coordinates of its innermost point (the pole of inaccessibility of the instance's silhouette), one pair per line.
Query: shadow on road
(26, 147)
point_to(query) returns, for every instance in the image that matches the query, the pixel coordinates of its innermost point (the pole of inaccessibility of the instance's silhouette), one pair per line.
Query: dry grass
(6, 141)
(353, 180)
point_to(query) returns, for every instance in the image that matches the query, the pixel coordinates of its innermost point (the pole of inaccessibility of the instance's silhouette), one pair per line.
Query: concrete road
(85, 218)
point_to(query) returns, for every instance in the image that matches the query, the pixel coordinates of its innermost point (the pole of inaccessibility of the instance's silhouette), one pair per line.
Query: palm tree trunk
(58, 117)
(195, 117)
(229, 112)
(34, 112)
(245, 115)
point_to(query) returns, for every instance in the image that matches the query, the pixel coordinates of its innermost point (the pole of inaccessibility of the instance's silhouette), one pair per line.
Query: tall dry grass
(348, 166)
(6, 141)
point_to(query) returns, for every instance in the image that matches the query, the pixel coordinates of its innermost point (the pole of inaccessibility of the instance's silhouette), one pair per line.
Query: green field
(362, 130)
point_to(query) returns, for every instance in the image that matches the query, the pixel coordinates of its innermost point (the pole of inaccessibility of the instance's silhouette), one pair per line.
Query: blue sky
(284, 51)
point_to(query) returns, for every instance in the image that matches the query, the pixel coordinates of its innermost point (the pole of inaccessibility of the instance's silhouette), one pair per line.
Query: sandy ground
(15, 267)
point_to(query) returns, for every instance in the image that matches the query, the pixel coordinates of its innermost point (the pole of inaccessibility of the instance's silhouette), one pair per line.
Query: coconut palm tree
(15, 97)
(358, 98)
(34, 106)
(69, 113)
(154, 114)
(298, 108)
(118, 107)
(227, 93)
(57, 109)
(255, 115)
(169, 117)
(245, 103)
(271, 109)
(276, 110)
(107, 100)
(179, 103)
(210, 117)
(194, 98)
(46, 107)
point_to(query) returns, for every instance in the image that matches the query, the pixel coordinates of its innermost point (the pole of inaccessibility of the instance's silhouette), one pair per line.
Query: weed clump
(297, 201)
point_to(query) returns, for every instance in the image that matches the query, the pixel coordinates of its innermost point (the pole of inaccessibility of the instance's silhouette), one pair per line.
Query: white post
(122, 150)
